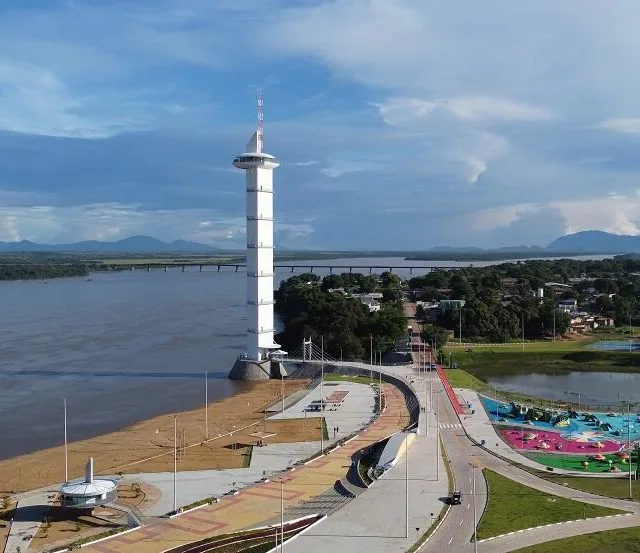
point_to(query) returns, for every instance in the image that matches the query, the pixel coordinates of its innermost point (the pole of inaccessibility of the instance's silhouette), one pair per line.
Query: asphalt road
(456, 532)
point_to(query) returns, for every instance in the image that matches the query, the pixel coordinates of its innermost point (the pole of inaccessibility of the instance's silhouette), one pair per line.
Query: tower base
(246, 369)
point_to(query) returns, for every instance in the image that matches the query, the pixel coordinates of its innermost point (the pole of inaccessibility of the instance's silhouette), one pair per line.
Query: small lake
(595, 388)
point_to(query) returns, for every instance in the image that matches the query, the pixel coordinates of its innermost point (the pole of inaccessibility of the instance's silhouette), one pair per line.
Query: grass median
(512, 506)
(623, 540)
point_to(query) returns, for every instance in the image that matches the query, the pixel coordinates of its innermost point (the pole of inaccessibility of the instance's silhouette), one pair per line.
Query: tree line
(323, 309)
(28, 271)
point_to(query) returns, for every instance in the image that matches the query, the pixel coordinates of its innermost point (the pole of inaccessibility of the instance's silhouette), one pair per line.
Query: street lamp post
(406, 482)
(475, 523)
(438, 436)
(175, 463)
(322, 396)
(281, 516)
(206, 405)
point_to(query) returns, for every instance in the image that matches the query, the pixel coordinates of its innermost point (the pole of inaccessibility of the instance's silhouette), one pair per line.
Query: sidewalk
(30, 511)
(375, 522)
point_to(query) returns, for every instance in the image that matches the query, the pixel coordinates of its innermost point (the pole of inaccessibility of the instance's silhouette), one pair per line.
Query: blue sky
(399, 125)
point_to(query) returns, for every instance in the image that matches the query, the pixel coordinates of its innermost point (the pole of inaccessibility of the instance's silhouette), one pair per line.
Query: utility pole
(206, 405)
(66, 458)
(438, 437)
(281, 516)
(554, 323)
(629, 447)
(322, 396)
(475, 523)
(406, 482)
(371, 354)
(380, 387)
(460, 323)
(523, 332)
(175, 463)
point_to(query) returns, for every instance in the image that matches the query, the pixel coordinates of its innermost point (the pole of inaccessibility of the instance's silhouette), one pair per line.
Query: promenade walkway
(30, 511)
(376, 521)
(256, 504)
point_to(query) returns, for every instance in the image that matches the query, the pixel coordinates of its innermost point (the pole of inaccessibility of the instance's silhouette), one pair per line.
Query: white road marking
(461, 522)
(468, 506)
(450, 540)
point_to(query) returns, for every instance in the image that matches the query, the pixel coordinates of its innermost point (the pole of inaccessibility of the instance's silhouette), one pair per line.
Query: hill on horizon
(590, 241)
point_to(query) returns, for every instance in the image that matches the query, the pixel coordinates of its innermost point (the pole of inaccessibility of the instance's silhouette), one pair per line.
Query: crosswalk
(450, 426)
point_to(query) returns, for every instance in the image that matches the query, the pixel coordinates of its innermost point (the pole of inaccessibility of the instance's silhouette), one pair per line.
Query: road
(456, 531)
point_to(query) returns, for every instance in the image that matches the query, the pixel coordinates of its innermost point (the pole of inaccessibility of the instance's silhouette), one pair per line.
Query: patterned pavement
(257, 504)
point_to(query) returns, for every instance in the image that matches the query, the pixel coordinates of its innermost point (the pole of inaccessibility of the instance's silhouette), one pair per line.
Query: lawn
(484, 362)
(335, 377)
(624, 540)
(512, 506)
(609, 487)
(574, 462)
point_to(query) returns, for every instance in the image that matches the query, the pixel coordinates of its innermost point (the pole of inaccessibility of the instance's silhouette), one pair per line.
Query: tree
(435, 335)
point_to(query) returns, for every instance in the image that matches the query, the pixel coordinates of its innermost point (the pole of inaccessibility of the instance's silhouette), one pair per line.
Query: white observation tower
(256, 363)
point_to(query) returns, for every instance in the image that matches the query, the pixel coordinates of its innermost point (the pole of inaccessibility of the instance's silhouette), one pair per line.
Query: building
(568, 306)
(451, 304)
(256, 363)
(89, 493)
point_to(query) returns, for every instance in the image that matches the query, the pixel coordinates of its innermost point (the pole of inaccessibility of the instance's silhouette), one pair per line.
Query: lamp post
(66, 458)
(175, 463)
(282, 391)
(281, 515)
(206, 405)
(406, 482)
(322, 396)
(475, 523)
(438, 435)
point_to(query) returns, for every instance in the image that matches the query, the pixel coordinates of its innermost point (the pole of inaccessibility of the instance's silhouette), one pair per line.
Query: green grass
(623, 540)
(512, 506)
(335, 377)
(617, 488)
(574, 462)
(486, 362)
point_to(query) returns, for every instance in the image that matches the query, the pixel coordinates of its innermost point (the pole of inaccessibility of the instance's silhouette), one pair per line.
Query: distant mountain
(133, 244)
(596, 241)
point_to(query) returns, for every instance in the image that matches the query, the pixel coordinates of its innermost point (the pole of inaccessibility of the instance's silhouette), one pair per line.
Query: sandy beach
(148, 446)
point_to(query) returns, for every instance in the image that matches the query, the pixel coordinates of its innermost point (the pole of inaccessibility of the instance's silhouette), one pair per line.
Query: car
(433, 366)
(456, 498)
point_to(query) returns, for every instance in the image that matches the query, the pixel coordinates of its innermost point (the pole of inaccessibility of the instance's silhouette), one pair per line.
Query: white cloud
(113, 221)
(485, 108)
(616, 214)
(625, 125)
(338, 167)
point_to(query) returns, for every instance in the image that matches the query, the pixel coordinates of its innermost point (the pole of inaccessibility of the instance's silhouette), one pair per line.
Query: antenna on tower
(260, 128)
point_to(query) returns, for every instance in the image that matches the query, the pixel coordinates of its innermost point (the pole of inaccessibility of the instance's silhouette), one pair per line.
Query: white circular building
(89, 493)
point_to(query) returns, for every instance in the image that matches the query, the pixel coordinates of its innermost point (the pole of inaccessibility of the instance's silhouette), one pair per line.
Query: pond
(586, 388)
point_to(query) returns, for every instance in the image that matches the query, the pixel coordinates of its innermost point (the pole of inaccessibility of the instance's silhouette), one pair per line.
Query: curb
(553, 524)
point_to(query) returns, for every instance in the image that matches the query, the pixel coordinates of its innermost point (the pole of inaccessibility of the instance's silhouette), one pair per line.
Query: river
(122, 347)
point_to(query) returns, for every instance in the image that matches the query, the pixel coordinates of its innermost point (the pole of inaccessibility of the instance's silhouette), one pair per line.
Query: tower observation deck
(255, 364)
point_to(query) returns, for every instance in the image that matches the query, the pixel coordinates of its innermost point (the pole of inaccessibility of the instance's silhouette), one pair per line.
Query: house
(604, 321)
(567, 305)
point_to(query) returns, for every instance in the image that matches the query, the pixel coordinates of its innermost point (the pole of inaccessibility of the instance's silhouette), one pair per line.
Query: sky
(399, 125)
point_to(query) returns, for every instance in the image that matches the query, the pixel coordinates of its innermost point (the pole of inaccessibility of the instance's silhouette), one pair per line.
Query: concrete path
(256, 504)
(356, 411)
(376, 521)
(534, 536)
(30, 512)
(193, 486)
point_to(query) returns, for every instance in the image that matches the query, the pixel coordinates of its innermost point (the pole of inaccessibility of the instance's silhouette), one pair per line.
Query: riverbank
(148, 446)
